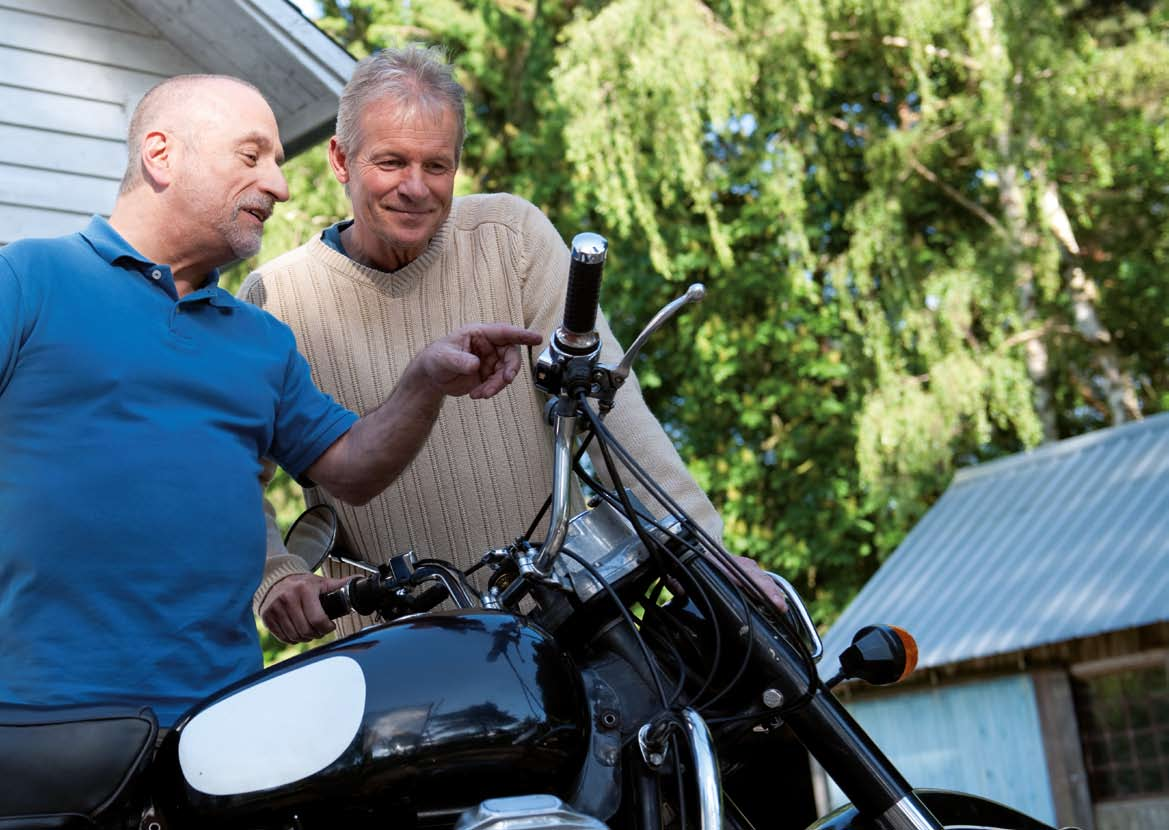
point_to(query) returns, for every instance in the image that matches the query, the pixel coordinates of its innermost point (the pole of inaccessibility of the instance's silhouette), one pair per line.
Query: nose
(274, 183)
(413, 183)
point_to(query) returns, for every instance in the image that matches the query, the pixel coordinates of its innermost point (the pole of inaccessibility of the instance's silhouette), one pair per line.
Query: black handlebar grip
(366, 594)
(336, 603)
(584, 283)
(431, 597)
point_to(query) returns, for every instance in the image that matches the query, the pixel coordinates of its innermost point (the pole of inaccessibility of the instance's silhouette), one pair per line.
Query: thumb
(332, 583)
(463, 363)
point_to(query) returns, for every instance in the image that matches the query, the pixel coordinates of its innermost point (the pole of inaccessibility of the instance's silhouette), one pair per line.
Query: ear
(158, 157)
(338, 161)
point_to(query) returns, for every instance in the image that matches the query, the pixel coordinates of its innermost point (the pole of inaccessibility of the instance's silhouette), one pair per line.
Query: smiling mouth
(260, 214)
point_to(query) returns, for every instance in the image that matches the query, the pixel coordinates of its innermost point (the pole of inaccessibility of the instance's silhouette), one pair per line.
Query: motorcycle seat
(65, 767)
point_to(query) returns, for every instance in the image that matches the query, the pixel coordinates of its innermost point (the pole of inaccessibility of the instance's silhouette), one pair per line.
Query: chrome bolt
(772, 698)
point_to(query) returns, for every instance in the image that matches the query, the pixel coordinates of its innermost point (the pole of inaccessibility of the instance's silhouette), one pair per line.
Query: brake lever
(693, 294)
(606, 380)
(802, 615)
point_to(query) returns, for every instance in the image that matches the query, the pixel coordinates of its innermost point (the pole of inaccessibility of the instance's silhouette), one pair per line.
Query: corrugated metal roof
(1066, 541)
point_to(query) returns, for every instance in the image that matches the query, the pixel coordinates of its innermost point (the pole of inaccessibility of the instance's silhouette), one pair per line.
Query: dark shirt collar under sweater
(328, 248)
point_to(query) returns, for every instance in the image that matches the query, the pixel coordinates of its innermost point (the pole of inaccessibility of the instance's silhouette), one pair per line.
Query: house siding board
(74, 78)
(41, 110)
(72, 72)
(50, 190)
(89, 43)
(25, 222)
(61, 152)
(108, 14)
(982, 738)
(1067, 541)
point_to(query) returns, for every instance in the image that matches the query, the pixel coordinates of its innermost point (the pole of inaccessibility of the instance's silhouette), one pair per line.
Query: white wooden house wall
(71, 71)
(981, 737)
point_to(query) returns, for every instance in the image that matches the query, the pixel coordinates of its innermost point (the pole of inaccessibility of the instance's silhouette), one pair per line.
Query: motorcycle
(606, 678)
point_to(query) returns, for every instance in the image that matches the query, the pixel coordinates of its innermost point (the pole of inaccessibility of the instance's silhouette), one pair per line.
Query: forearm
(367, 459)
(278, 562)
(639, 431)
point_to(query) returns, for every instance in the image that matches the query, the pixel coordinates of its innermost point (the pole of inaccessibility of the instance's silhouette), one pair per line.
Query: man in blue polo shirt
(137, 398)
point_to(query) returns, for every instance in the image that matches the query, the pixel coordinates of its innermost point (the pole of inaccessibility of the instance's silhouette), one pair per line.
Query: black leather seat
(68, 767)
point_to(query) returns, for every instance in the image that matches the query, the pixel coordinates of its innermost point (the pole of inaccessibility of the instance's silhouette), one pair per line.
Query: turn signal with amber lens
(879, 654)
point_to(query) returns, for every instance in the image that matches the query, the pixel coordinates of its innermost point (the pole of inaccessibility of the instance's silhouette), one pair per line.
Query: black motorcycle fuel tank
(430, 713)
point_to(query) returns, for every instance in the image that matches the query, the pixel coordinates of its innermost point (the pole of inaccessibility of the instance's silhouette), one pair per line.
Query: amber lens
(910, 646)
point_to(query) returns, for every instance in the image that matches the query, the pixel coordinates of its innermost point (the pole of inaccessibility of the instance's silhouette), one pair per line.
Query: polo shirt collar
(114, 249)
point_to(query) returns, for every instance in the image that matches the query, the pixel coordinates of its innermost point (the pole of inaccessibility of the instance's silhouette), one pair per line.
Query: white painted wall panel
(86, 42)
(109, 13)
(63, 153)
(63, 114)
(70, 72)
(982, 738)
(22, 186)
(23, 222)
(68, 76)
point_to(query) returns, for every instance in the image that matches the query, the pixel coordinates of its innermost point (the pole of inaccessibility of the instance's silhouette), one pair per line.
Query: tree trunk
(1117, 386)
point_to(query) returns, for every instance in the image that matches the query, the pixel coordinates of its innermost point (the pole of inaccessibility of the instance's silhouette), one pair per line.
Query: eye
(437, 168)
(251, 158)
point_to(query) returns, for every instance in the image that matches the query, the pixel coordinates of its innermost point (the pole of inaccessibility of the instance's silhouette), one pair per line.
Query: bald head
(204, 173)
(183, 106)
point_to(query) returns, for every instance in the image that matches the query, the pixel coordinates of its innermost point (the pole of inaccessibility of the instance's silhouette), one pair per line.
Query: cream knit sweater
(486, 469)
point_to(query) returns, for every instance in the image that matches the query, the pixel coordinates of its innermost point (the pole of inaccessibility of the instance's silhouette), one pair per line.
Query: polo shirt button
(156, 274)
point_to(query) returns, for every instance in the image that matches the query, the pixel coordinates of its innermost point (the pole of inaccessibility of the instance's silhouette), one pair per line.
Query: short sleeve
(11, 327)
(307, 422)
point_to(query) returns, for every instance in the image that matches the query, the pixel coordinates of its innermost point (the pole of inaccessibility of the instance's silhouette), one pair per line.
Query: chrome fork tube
(909, 814)
(709, 785)
(565, 431)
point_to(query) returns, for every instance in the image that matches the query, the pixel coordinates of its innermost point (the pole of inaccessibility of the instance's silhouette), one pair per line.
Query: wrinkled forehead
(228, 111)
(407, 117)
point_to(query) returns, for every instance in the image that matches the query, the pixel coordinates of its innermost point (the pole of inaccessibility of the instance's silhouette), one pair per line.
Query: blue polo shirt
(132, 424)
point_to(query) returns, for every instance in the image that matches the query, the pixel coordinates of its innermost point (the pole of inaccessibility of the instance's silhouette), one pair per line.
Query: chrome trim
(589, 248)
(354, 563)
(793, 599)
(561, 481)
(909, 814)
(652, 756)
(710, 795)
(453, 580)
(588, 342)
(693, 294)
(527, 812)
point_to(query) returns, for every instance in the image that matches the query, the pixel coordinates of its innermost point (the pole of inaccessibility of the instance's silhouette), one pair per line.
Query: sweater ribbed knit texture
(487, 467)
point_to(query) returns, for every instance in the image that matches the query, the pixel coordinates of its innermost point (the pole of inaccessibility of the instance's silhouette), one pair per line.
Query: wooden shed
(1038, 590)
(72, 71)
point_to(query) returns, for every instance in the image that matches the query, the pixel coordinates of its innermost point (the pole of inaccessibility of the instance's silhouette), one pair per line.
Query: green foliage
(865, 187)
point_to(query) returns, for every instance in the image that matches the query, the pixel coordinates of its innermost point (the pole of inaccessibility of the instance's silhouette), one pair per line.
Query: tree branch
(899, 42)
(975, 208)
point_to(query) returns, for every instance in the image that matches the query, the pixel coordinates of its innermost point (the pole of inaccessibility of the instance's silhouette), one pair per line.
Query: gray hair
(161, 103)
(418, 79)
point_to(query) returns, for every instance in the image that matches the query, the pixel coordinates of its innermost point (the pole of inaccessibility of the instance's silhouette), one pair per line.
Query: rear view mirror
(312, 535)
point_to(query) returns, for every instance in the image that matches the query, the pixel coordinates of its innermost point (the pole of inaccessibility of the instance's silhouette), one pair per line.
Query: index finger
(502, 334)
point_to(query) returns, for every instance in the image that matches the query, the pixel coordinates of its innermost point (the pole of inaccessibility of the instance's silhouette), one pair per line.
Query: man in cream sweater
(413, 264)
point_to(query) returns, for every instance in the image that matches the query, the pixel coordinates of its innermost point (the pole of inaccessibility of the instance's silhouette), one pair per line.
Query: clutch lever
(802, 616)
(693, 294)
(608, 379)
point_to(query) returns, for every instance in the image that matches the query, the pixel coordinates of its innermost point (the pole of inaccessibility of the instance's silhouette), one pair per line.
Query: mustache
(260, 206)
